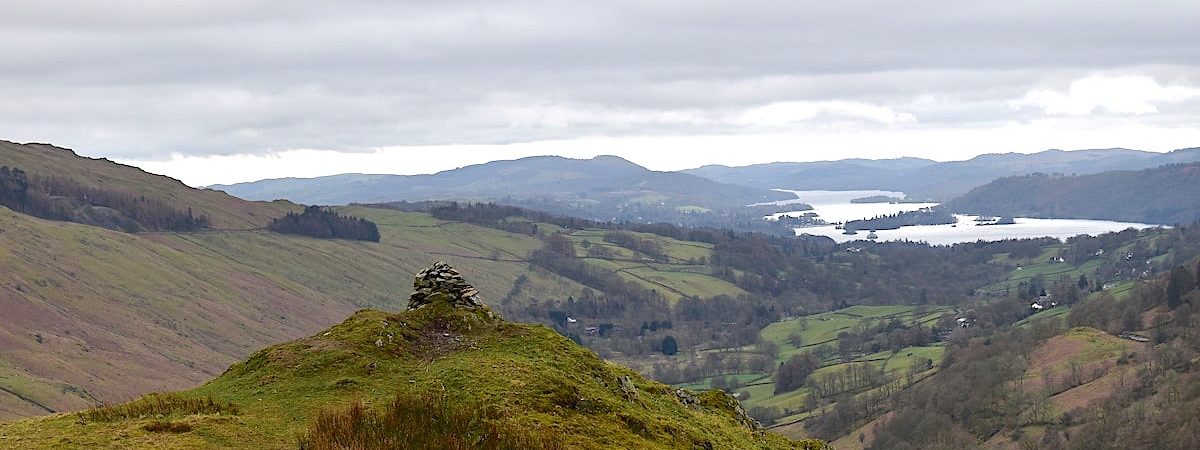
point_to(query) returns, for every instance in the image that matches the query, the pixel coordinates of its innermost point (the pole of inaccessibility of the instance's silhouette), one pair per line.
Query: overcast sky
(220, 91)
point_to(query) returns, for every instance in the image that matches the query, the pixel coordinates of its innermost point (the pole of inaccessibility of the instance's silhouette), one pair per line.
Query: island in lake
(807, 219)
(924, 216)
(983, 221)
(884, 199)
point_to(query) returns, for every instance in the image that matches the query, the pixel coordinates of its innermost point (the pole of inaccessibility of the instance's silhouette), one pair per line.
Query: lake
(835, 207)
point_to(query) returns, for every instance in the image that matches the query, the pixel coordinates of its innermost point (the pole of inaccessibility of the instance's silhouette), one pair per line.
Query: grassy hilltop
(530, 385)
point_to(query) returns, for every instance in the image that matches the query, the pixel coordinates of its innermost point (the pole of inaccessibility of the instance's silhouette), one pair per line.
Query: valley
(515, 225)
(812, 337)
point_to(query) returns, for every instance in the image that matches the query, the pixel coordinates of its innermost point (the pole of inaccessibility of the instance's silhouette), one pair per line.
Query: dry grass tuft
(418, 422)
(161, 426)
(155, 405)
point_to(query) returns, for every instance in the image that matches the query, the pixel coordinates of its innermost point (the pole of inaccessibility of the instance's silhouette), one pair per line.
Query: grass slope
(681, 274)
(820, 329)
(226, 211)
(92, 314)
(1076, 352)
(90, 309)
(540, 381)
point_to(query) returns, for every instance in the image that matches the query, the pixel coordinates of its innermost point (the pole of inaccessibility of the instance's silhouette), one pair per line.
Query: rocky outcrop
(440, 282)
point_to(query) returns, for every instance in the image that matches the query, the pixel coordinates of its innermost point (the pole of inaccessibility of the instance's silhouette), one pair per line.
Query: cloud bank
(160, 81)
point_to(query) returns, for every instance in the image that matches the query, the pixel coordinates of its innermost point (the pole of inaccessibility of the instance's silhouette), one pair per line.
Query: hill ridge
(225, 210)
(604, 186)
(939, 180)
(1161, 195)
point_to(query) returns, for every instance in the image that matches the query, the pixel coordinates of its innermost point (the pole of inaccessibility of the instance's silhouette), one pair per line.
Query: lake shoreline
(835, 208)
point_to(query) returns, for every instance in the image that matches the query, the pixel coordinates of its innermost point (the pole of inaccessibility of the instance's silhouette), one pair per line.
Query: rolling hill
(1167, 195)
(446, 375)
(924, 179)
(605, 187)
(99, 315)
(96, 315)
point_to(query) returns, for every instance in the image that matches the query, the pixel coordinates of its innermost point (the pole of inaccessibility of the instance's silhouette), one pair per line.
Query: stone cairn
(440, 282)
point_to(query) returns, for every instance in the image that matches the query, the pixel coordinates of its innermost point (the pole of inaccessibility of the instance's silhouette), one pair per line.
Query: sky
(222, 91)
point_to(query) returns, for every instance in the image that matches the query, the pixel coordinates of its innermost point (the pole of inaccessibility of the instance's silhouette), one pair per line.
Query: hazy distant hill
(1165, 195)
(933, 180)
(846, 174)
(606, 184)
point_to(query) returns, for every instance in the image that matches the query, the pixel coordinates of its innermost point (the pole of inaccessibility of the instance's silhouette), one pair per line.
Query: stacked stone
(440, 282)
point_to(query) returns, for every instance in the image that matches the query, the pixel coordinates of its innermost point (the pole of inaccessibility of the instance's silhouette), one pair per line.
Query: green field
(741, 378)
(758, 389)
(93, 312)
(819, 329)
(1042, 267)
(1059, 312)
(678, 251)
(678, 277)
(225, 293)
(1026, 270)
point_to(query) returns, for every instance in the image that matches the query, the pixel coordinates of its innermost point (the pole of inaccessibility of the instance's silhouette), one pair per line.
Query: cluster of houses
(1043, 302)
(592, 330)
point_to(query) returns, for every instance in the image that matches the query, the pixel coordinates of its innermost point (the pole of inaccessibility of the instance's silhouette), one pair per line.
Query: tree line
(324, 223)
(60, 198)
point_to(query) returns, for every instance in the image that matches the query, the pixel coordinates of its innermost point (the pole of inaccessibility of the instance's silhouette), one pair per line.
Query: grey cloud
(146, 79)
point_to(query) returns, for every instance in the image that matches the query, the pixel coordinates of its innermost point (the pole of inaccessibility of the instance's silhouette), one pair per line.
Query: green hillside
(818, 334)
(538, 383)
(226, 212)
(100, 315)
(1162, 195)
(93, 314)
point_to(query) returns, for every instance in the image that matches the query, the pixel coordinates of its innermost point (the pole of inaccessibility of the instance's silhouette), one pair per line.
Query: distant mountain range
(605, 187)
(926, 179)
(1162, 195)
(609, 188)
